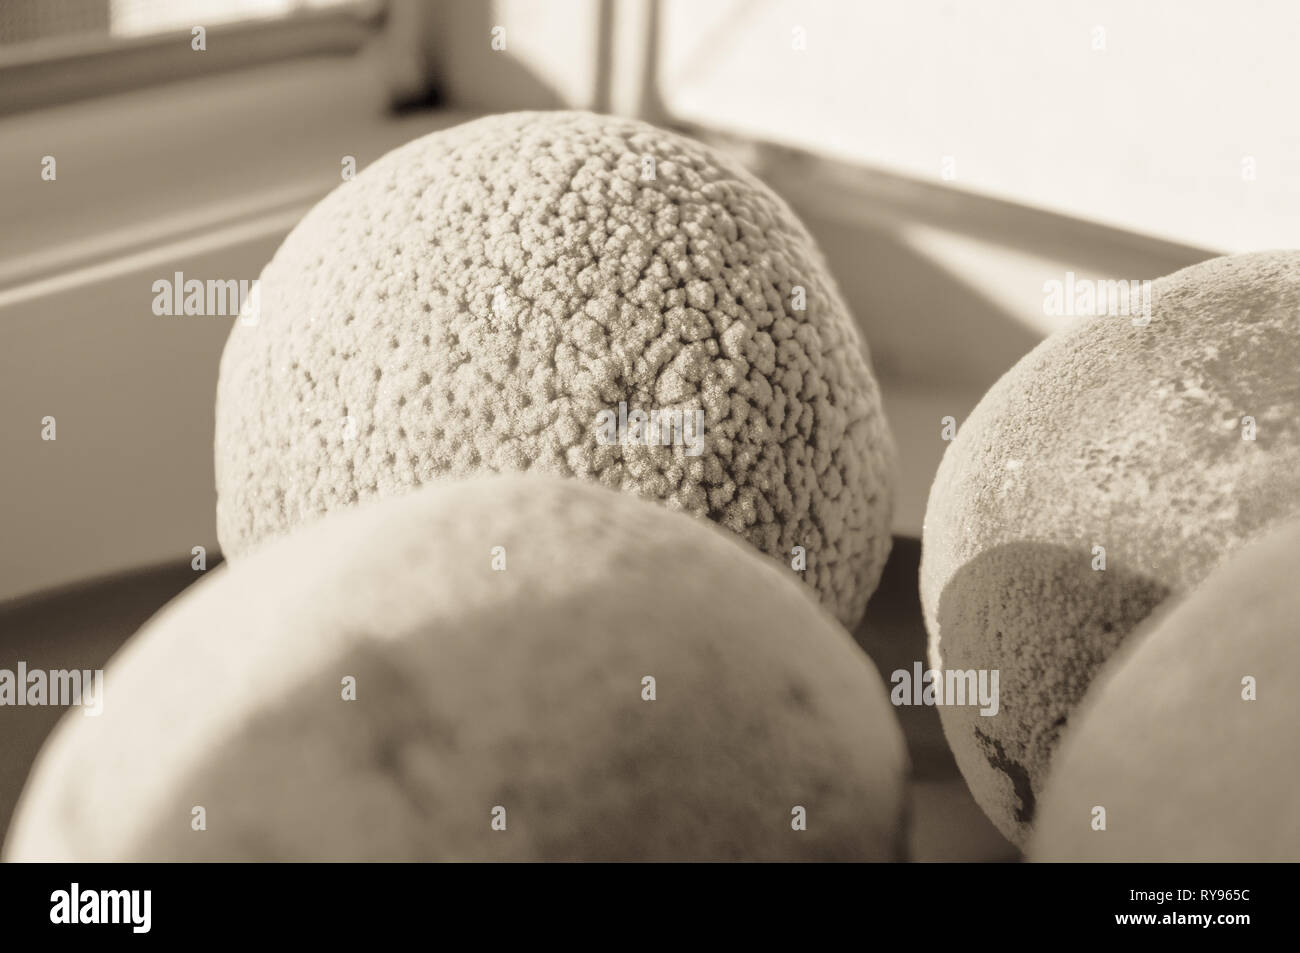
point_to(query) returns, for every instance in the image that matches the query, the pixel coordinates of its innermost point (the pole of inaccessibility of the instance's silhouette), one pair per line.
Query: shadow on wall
(510, 55)
(902, 297)
(948, 285)
(457, 53)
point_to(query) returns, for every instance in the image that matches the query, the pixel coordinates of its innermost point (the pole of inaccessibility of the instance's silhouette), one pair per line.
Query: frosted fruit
(1188, 738)
(622, 682)
(1117, 463)
(474, 300)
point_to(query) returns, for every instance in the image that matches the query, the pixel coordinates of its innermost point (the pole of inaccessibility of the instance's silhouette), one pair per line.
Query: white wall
(1148, 132)
(947, 290)
(147, 184)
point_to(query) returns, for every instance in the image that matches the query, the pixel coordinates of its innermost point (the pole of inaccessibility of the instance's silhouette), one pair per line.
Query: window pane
(25, 21)
(140, 17)
(1173, 118)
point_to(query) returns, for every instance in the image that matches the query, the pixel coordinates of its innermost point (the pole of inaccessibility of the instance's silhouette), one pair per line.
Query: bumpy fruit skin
(471, 301)
(1106, 435)
(1187, 768)
(479, 688)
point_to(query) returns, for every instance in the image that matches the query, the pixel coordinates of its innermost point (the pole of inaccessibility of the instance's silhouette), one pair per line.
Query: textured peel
(472, 300)
(1114, 435)
(1186, 768)
(477, 688)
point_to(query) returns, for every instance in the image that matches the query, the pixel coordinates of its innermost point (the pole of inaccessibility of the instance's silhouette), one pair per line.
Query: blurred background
(950, 157)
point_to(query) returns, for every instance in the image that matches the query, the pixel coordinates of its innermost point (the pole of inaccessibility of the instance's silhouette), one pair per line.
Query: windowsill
(118, 159)
(947, 287)
(148, 182)
(60, 70)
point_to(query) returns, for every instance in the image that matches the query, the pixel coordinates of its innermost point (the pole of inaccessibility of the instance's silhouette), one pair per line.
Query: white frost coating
(476, 688)
(475, 298)
(1128, 438)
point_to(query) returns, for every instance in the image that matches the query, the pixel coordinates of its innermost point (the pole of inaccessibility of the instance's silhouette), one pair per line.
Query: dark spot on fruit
(1015, 772)
(798, 696)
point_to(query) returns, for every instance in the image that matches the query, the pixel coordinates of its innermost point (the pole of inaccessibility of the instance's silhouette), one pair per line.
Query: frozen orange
(1186, 747)
(510, 294)
(510, 668)
(1115, 465)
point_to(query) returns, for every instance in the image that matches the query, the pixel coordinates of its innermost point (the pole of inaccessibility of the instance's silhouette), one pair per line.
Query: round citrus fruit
(570, 294)
(510, 668)
(1117, 463)
(1186, 747)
